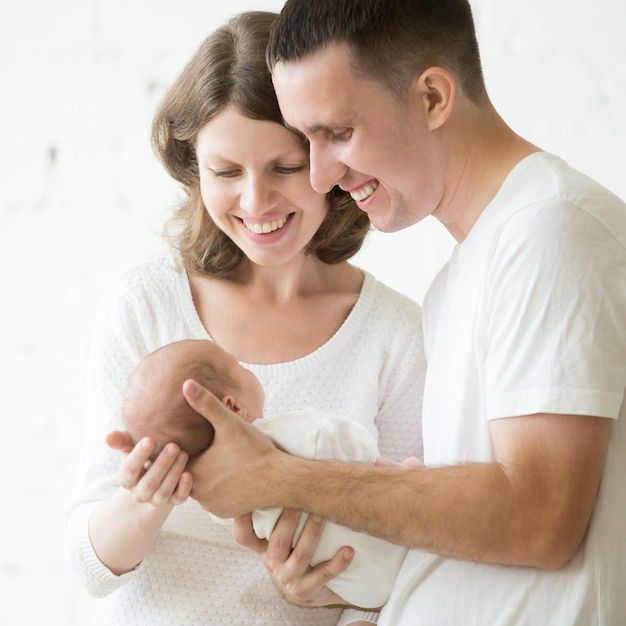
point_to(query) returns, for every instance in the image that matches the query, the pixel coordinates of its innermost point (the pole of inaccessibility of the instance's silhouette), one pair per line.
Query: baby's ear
(230, 403)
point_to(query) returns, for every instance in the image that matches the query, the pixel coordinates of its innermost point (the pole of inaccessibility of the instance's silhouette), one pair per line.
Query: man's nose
(325, 169)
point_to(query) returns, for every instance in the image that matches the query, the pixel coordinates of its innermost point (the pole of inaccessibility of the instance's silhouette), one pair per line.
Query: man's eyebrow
(317, 128)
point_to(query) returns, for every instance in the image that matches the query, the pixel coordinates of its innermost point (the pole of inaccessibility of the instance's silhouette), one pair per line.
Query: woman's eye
(225, 173)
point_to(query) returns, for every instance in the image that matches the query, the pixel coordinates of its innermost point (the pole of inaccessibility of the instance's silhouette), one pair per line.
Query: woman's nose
(256, 196)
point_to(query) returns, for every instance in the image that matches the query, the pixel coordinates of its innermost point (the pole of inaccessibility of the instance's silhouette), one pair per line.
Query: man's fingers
(204, 402)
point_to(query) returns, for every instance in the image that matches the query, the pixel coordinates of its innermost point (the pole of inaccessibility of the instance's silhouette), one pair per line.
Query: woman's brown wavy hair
(229, 69)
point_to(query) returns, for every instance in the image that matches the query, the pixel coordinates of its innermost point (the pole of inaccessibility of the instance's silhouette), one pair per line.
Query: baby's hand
(159, 482)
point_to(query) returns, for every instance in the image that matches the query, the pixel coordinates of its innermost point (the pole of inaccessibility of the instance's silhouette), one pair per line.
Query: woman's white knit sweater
(372, 370)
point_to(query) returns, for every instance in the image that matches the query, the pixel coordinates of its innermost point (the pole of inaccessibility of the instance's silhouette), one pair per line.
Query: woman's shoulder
(148, 284)
(158, 270)
(389, 301)
(152, 300)
(149, 278)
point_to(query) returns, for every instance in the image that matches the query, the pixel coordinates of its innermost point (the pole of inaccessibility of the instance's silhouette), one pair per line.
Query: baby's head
(155, 405)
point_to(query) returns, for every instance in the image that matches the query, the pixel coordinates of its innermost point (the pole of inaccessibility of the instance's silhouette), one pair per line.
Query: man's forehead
(313, 96)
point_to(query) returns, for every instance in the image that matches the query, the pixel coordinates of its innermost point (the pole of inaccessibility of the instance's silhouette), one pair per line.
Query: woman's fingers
(411, 462)
(161, 481)
(120, 440)
(291, 568)
(170, 472)
(135, 463)
(244, 535)
(281, 541)
(310, 589)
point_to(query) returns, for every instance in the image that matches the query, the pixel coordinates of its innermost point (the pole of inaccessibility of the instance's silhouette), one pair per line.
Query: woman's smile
(265, 227)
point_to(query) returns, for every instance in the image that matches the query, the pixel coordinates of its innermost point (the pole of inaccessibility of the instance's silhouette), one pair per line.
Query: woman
(261, 268)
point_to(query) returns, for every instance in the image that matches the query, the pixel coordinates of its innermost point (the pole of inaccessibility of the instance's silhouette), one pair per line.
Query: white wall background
(82, 197)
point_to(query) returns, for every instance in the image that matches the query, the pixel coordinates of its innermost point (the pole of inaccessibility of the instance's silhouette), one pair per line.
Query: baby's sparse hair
(155, 406)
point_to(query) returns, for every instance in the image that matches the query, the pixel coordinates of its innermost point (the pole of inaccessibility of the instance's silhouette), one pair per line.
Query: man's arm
(530, 507)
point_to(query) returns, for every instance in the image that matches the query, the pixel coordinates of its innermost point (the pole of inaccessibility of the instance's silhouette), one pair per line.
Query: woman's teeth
(266, 227)
(364, 192)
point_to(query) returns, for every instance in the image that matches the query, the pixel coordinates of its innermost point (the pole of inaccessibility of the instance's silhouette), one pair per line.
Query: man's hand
(296, 580)
(221, 474)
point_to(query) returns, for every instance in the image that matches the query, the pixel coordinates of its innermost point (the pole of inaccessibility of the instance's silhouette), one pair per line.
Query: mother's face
(254, 182)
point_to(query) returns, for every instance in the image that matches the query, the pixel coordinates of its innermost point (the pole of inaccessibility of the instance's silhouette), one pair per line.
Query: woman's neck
(299, 281)
(268, 315)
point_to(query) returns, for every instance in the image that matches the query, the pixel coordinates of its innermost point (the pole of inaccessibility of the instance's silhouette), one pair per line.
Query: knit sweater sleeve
(121, 333)
(401, 380)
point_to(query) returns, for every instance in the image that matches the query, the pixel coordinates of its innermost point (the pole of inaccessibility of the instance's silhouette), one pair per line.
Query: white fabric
(528, 316)
(372, 370)
(317, 435)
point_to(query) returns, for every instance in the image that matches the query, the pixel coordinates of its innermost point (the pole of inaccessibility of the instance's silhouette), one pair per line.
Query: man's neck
(487, 152)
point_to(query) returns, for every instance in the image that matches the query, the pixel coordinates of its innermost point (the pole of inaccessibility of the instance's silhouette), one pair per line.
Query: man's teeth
(364, 192)
(266, 227)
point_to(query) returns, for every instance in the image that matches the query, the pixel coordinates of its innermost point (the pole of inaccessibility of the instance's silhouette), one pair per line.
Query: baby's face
(250, 394)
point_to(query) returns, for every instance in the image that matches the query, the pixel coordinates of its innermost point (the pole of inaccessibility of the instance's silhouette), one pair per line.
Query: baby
(155, 406)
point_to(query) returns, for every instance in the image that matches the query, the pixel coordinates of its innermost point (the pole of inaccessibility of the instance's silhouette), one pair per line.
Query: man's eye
(290, 170)
(342, 135)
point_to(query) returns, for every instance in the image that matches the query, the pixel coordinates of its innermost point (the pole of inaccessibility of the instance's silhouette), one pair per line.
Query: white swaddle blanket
(313, 434)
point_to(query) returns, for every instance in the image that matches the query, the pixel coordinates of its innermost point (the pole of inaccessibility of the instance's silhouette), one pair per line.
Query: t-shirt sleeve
(556, 302)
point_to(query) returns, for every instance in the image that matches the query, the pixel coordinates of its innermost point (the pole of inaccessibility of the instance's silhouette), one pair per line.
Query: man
(518, 516)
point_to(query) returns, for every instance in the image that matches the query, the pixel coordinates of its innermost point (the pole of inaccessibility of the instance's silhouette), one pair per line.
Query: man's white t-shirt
(529, 316)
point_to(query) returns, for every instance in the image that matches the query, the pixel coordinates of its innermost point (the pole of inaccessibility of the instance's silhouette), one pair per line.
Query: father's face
(361, 137)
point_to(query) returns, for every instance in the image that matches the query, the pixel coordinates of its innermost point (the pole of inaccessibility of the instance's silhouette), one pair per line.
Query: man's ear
(230, 403)
(436, 91)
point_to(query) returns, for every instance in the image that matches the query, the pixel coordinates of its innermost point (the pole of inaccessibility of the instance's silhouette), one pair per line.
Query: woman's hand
(163, 481)
(290, 568)
(123, 528)
(409, 463)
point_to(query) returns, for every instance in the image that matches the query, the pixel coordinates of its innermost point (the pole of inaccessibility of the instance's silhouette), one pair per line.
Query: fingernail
(192, 388)
(348, 554)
